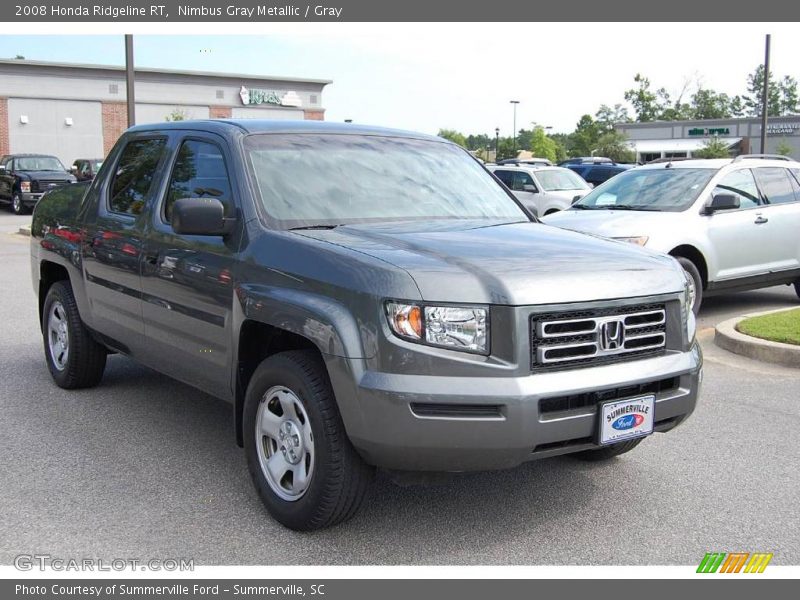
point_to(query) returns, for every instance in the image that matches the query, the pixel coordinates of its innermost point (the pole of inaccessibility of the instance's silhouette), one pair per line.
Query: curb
(728, 338)
(24, 230)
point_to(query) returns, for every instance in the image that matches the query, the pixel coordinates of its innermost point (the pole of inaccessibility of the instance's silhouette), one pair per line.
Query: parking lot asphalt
(145, 467)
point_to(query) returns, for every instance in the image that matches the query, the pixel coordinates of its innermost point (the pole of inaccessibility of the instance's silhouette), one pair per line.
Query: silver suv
(733, 224)
(542, 190)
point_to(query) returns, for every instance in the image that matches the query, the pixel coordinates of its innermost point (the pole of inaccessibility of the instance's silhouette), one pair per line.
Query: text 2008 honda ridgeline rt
(363, 298)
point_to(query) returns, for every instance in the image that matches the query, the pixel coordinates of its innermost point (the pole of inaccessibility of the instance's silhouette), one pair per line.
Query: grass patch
(777, 327)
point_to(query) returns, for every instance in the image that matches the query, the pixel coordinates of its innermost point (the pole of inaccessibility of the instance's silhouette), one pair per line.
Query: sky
(424, 76)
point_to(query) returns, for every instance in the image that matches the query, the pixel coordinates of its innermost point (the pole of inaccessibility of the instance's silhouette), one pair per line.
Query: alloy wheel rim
(17, 204)
(58, 336)
(284, 443)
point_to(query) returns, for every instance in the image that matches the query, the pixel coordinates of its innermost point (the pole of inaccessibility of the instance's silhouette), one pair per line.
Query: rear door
(187, 280)
(739, 238)
(781, 194)
(112, 243)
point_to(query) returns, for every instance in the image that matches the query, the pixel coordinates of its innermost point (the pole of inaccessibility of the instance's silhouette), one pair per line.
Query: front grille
(593, 398)
(43, 185)
(577, 338)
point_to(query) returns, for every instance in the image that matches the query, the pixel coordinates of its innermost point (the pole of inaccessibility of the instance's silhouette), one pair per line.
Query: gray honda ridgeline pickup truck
(363, 298)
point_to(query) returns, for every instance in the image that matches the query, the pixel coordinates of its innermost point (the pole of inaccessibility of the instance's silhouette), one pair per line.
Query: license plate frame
(616, 419)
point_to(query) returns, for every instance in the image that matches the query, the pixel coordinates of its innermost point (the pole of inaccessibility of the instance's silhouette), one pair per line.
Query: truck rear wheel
(303, 465)
(797, 288)
(608, 451)
(74, 358)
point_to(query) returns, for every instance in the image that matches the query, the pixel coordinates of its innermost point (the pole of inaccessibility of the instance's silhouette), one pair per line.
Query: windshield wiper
(302, 227)
(626, 207)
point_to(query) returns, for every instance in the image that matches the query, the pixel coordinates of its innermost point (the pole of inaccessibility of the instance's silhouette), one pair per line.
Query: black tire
(17, 205)
(797, 288)
(607, 452)
(86, 359)
(694, 273)
(340, 478)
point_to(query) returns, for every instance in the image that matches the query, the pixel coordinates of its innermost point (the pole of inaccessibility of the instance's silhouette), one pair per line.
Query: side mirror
(591, 185)
(576, 198)
(200, 216)
(529, 188)
(722, 202)
(2, 168)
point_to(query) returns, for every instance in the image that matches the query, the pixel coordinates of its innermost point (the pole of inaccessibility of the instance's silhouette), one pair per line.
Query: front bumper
(30, 198)
(386, 425)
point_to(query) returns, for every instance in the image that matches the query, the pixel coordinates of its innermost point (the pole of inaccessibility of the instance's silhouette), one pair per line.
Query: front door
(187, 280)
(739, 237)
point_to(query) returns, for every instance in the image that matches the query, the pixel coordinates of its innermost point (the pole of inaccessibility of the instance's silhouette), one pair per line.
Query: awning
(676, 145)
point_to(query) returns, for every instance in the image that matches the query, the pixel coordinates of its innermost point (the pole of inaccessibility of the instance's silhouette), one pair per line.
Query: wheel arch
(693, 254)
(49, 273)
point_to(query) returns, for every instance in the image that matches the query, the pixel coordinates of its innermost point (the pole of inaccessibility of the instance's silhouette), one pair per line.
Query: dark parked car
(25, 177)
(85, 169)
(393, 306)
(597, 173)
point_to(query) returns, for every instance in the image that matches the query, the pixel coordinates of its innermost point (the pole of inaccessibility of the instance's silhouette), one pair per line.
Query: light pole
(765, 97)
(514, 131)
(129, 80)
(496, 143)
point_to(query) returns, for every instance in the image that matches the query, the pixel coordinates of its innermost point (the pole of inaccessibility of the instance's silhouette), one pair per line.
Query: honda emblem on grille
(612, 335)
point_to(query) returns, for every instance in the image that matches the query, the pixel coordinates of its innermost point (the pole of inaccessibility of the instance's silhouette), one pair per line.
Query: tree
(788, 92)
(505, 149)
(708, 104)
(713, 147)
(542, 146)
(755, 86)
(606, 116)
(613, 144)
(783, 148)
(177, 114)
(454, 136)
(645, 102)
(584, 139)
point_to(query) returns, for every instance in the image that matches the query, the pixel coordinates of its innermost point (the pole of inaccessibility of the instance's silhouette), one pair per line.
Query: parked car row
(733, 224)
(25, 177)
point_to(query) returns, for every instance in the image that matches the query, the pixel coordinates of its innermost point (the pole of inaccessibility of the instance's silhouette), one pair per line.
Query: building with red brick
(79, 110)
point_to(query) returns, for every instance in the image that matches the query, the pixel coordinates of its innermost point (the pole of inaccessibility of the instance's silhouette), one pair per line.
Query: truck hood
(613, 223)
(47, 175)
(509, 263)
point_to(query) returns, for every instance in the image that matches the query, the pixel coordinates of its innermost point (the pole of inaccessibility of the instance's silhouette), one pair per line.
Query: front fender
(329, 324)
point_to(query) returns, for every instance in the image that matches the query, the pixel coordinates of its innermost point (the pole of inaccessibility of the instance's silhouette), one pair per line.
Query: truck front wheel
(303, 465)
(17, 205)
(74, 358)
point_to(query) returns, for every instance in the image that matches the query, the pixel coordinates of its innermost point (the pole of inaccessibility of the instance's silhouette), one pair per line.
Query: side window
(775, 184)
(521, 179)
(741, 184)
(199, 172)
(134, 175)
(506, 177)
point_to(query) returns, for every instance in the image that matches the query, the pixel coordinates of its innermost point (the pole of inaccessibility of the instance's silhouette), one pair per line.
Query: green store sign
(700, 131)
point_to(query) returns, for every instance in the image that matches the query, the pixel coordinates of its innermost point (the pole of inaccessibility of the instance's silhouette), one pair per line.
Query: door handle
(760, 220)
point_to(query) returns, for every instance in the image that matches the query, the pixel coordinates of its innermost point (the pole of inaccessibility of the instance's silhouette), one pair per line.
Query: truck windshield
(558, 180)
(38, 163)
(669, 190)
(307, 180)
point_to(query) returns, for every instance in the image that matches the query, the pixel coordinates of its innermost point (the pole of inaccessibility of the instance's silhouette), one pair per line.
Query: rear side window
(776, 185)
(741, 184)
(506, 177)
(521, 179)
(134, 175)
(199, 172)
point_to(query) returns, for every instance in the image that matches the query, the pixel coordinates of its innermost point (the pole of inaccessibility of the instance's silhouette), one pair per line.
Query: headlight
(687, 301)
(25, 186)
(454, 327)
(639, 240)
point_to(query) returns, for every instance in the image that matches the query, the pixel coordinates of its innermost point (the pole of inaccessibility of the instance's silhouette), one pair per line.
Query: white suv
(733, 224)
(543, 190)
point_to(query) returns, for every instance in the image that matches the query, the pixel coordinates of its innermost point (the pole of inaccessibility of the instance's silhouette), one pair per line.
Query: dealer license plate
(622, 420)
